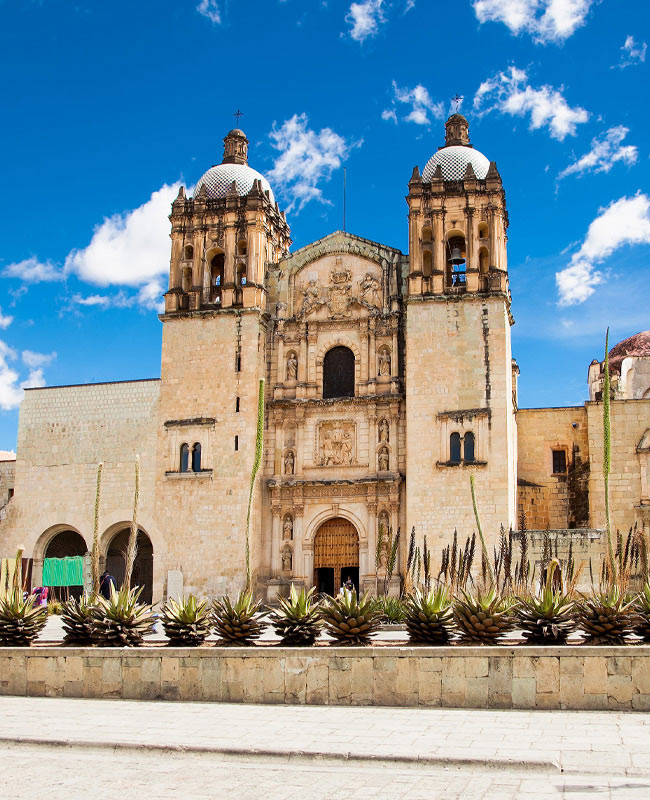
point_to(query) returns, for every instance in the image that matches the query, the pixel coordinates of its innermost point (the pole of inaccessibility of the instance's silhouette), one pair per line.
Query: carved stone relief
(336, 443)
(369, 288)
(383, 362)
(292, 366)
(287, 559)
(289, 462)
(383, 460)
(287, 528)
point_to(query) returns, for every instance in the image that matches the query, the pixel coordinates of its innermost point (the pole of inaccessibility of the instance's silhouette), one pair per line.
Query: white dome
(218, 180)
(453, 162)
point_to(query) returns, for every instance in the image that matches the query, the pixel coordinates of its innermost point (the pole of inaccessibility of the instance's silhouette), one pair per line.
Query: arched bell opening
(456, 265)
(336, 555)
(217, 265)
(142, 567)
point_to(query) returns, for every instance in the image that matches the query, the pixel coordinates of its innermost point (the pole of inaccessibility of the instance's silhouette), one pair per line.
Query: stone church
(388, 380)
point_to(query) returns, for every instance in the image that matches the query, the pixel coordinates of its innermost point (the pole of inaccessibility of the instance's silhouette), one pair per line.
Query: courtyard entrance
(336, 555)
(142, 568)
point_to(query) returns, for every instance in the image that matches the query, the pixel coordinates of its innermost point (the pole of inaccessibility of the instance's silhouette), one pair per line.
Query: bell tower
(459, 390)
(223, 239)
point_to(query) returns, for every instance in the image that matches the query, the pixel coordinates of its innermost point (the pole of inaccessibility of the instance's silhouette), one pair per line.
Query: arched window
(216, 277)
(483, 230)
(468, 442)
(241, 275)
(427, 235)
(483, 259)
(188, 252)
(185, 458)
(456, 264)
(338, 373)
(454, 448)
(196, 458)
(241, 247)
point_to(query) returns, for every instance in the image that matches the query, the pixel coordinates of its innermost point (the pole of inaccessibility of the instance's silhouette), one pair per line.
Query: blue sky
(107, 106)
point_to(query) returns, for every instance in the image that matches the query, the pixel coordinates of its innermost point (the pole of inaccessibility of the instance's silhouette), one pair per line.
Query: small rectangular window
(238, 364)
(559, 462)
(236, 442)
(237, 405)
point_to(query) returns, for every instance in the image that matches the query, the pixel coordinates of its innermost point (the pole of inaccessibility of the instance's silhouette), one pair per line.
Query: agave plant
(429, 616)
(78, 618)
(549, 616)
(238, 623)
(186, 621)
(297, 618)
(392, 610)
(607, 616)
(349, 619)
(20, 620)
(484, 615)
(122, 621)
(642, 610)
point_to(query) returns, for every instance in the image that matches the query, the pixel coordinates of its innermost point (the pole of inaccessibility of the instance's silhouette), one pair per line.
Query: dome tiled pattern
(218, 180)
(453, 163)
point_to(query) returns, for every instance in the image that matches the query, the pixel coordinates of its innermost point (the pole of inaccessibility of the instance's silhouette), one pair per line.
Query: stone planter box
(583, 677)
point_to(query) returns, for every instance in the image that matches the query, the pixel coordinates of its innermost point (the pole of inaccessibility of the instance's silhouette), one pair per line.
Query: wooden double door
(336, 555)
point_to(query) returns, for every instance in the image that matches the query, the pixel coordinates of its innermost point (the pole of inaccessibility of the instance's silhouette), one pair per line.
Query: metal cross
(237, 115)
(457, 101)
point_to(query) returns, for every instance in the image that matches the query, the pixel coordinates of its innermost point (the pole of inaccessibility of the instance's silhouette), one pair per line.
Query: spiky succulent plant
(607, 616)
(78, 619)
(20, 620)
(186, 621)
(297, 618)
(240, 622)
(549, 616)
(349, 619)
(392, 610)
(122, 621)
(484, 615)
(642, 613)
(429, 616)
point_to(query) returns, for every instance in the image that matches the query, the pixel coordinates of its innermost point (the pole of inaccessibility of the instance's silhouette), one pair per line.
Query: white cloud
(624, 221)
(5, 321)
(365, 18)
(633, 53)
(306, 159)
(509, 93)
(128, 249)
(35, 380)
(36, 360)
(31, 270)
(545, 20)
(605, 152)
(420, 102)
(210, 9)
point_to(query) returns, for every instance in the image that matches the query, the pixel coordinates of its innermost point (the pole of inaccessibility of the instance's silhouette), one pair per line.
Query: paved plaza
(75, 748)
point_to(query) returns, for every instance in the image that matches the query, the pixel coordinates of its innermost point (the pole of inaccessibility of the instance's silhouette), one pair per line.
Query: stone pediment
(340, 243)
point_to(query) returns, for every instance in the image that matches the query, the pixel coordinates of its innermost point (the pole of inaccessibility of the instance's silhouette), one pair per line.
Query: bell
(456, 256)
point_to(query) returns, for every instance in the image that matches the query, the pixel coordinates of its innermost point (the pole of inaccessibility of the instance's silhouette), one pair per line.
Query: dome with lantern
(456, 154)
(218, 180)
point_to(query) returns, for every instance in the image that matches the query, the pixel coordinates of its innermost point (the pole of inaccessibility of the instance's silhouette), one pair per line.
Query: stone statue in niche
(292, 367)
(287, 530)
(384, 362)
(336, 443)
(384, 430)
(287, 559)
(369, 287)
(383, 531)
(289, 463)
(383, 460)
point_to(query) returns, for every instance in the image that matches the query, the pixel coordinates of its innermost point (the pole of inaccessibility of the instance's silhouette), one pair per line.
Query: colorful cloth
(68, 571)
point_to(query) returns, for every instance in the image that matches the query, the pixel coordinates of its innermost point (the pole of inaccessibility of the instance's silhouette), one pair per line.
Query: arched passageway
(143, 567)
(336, 555)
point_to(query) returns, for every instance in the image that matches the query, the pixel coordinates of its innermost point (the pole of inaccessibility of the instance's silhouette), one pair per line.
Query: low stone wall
(459, 677)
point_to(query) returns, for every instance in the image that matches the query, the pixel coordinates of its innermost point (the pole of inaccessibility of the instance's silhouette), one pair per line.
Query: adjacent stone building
(388, 379)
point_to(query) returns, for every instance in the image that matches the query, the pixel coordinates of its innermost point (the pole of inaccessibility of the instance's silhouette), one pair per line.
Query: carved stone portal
(336, 445)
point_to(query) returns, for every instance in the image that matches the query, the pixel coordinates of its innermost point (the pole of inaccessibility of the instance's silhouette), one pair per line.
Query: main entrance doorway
(336, 555)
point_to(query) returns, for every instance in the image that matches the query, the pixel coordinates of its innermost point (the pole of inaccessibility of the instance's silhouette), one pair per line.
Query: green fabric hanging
(68, 571)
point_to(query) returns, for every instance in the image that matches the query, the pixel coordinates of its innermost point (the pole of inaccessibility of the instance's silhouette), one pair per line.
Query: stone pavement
(65, 746)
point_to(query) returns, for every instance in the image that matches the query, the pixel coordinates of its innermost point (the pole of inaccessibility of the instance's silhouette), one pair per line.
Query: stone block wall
(7, 480)
(548, 500)
(594, 678)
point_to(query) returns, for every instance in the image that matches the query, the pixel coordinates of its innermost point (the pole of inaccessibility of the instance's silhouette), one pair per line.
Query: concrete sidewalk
(553, 742)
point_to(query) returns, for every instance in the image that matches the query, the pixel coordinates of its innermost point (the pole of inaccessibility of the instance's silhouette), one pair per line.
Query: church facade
(388, 380)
